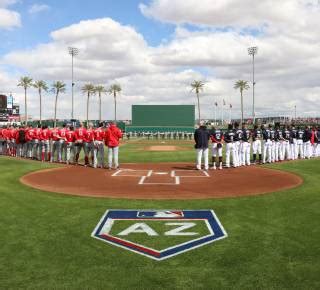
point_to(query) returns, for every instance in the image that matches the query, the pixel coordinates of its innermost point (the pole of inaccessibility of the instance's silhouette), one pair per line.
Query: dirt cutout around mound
(161, 181)
(162, 148)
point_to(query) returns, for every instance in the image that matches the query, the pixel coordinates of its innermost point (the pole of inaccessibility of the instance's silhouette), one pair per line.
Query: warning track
(161, 181)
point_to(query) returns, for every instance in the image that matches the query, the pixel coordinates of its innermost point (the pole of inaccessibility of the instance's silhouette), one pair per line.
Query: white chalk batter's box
(157, 177)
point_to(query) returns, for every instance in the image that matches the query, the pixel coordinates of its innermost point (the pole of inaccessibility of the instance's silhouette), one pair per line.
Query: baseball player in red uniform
(63, 145)
(99, 147)
(30, 132)
(37, 143)
(89, 145)
(55, 138)
(1, 141)
(79, 140)
(70, 148)
(111, 138)
(45, 144)
(6, 138)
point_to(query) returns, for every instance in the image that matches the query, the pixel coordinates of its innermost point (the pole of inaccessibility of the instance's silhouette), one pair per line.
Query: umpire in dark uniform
(201, 138)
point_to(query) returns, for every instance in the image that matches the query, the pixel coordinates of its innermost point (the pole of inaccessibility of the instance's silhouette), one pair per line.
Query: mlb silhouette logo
(159, 234)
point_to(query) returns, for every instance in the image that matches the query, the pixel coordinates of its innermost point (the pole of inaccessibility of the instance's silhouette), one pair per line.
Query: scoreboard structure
(161, 118)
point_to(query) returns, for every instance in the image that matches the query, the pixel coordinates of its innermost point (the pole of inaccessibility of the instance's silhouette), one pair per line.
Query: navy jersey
(318, 136)
(293, 133)
(216, 136)
(257, 135)
(286, 134)
(306, 135)
(229, 136)
(272, 134)
(238, 134)
(300, 134)
(266, 134)
(278, 135)
(246, 133)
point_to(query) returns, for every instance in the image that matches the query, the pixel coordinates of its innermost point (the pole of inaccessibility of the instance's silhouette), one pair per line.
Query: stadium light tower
(73, 51)
(253, 51)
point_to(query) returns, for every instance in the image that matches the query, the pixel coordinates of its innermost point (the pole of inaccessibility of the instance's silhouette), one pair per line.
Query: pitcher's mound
(162, 148)
(161, 181)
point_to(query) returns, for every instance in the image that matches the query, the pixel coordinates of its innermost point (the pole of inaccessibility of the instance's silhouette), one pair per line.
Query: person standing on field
(79, 141)
(201, 137)
(111, 138)
(99, 147)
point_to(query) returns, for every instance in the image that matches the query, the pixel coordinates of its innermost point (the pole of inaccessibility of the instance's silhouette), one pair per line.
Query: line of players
(62, 144)
(269, 144)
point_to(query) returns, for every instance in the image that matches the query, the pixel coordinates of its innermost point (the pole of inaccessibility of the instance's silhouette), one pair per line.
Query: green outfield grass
(273, 240)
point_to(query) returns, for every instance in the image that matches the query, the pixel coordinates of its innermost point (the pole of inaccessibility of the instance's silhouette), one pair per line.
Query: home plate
(161, 173)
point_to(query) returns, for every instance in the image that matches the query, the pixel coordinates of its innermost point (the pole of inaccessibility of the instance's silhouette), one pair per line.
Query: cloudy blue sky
(156, 48)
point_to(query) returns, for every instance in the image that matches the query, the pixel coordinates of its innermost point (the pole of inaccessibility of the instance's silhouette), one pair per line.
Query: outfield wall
(163, 116)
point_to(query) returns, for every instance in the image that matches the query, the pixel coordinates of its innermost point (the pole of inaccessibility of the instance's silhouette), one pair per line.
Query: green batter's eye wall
(163, 115)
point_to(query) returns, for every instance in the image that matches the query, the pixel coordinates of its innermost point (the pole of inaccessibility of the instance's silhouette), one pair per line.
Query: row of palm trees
(59, 87)
(240, 85)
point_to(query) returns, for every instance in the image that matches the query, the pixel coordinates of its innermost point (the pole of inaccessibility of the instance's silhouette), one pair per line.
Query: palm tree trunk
(241, 107)
(100, 107)
(88, 109)
(40, 106)
(115, 107)
(198, 108)
(55, 109)
(25, 107)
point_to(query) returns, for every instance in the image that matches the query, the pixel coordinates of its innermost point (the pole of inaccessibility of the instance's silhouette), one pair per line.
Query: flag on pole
(224, 102)
(230, 106)
(216, 104)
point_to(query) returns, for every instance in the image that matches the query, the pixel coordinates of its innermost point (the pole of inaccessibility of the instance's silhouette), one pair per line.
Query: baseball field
(272, 243)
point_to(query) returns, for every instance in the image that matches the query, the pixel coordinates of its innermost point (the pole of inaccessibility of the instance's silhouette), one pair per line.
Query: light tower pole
(253, 51)
(73, 51)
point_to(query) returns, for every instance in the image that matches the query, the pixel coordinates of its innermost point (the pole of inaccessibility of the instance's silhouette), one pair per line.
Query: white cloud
(8, 18)
(37, 8)
(287, 64)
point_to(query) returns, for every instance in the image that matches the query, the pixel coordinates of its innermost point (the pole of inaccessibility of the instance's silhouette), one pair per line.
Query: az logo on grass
(159, 234)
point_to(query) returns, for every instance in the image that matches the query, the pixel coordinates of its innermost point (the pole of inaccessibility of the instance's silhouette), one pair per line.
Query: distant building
(9, 111)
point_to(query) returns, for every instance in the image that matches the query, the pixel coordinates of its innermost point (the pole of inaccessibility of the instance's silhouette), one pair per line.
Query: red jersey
(55, 134)
(70, 136)
(45, 135)
(37, 134)
(16, 137)
(12, 133)
(80, 134)
(30, 133)
(89, 137)
(112, 136)
(99, 134)
(63, 133)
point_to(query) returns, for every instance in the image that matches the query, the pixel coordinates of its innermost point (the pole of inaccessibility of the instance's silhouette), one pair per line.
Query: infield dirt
(161, 181)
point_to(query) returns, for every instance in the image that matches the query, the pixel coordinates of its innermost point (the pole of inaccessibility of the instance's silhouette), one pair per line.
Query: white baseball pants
(205, 153)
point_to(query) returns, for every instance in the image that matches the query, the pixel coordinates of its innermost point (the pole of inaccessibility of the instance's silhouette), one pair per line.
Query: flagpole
(215, 114)
(230, 113)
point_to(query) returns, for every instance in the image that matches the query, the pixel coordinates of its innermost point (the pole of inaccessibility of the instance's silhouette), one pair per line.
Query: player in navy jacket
(201, 138)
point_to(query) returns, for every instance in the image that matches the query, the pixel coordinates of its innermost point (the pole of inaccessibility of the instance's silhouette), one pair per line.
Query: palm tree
(88, 89)
(26, 83)
(41, 86)
(242, 85)
(197, 86)
(99, 89)
(57, 88)
(114, 90)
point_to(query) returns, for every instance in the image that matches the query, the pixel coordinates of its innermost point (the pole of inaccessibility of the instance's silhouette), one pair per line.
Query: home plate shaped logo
(159, 234)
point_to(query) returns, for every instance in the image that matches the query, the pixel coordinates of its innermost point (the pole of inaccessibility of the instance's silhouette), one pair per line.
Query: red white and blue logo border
(217, 231)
